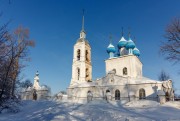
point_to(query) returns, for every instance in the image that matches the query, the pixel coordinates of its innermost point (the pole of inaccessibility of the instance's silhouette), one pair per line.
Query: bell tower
(36, 81)
(81, 67)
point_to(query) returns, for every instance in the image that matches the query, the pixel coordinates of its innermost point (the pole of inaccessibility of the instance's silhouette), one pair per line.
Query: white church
(124, 80)
(37, 91)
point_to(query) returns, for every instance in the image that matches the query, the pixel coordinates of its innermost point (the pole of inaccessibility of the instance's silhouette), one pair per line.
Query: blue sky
(55, 27)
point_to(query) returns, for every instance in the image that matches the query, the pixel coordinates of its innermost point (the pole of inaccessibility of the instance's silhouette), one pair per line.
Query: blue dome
(136, 52)
(111, 48)
(130, 44)
(122, 42)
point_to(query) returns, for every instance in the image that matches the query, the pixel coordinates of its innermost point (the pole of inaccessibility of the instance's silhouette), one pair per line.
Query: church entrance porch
(117, 95)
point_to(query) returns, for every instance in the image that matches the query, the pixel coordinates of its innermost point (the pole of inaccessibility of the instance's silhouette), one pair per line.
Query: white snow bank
(142, 103)
(95, 110)
(175, 104)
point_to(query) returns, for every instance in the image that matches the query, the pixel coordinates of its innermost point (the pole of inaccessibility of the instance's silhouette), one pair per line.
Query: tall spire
(83, 33)
(83, 21)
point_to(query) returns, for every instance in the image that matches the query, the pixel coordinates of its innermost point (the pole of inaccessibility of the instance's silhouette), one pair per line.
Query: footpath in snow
(95, 111)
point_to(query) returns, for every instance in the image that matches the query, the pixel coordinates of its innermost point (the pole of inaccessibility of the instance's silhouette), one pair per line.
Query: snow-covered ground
(95, 111)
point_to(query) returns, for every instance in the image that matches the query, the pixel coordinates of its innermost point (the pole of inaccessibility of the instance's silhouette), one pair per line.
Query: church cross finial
(122, 32)
(129, 33)
(110, 38)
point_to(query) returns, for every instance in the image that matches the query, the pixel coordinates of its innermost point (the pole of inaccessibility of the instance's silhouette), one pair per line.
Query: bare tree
(163, 76)
(14, 50)
(171, 47)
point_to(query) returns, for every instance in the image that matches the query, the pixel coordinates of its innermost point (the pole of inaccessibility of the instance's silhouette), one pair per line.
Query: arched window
(78, 54)
(117, 95)
(142, 94)
(78, 73)
(125, 71)
(87, 55)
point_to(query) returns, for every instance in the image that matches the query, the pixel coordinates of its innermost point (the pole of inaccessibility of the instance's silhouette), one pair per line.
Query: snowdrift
(142, 103)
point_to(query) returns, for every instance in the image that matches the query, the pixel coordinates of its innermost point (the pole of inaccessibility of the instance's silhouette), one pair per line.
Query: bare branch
(171, 47)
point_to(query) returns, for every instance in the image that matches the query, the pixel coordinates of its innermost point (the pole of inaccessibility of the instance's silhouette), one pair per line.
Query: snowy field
(95, 111)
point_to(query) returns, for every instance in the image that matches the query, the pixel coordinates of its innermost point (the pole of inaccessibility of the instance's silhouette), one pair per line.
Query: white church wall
(128, 83)
(79, 94)
(131, 62)
(150, 89)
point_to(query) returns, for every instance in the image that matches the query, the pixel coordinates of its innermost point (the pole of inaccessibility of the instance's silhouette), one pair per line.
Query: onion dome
(122, 42)
(136, 52)
(111, 48)
(130, 44)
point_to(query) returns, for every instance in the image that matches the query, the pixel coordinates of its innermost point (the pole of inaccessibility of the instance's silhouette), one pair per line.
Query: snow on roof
(29, 89)
(44, 87)
(85, 84)
(36, 78)
(122, 39)
(110, 46)
(83, 40)
(167, 84)
(60, 94)
(140, 80)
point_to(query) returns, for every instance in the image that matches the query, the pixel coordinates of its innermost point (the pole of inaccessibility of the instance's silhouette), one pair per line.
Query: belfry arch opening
(125, 71)
(87, 73)
(87, 55)
(78, 54)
